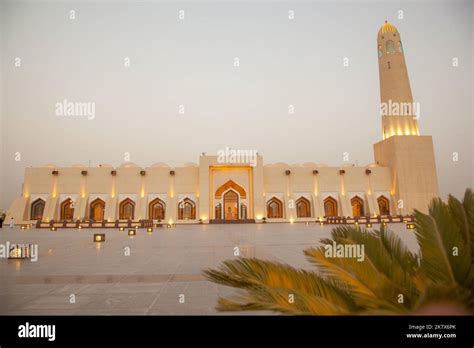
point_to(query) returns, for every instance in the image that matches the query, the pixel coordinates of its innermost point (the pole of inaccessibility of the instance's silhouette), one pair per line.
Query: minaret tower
(409, 155)
(397, 108)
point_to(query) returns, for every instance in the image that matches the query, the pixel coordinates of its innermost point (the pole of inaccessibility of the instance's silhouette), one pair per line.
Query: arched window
(37, 209)
(157, 209)
(400, 47)
(186, 209)
(384, 205)
(330, 206)
(218, 211)
(390, 47)
(243, 211)
(274, 209)
(67, 210)
(127, 209)
(380, 51)
(303, 208)
(357, 206)
(97, 209)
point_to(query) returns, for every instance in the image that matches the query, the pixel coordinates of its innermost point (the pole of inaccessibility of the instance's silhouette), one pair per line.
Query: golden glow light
(99, 237)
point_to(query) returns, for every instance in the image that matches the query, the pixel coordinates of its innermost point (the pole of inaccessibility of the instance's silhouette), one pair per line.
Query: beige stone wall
(196, 183)
(413, 170)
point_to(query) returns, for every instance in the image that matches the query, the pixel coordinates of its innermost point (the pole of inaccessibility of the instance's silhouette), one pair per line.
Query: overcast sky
(190, 62)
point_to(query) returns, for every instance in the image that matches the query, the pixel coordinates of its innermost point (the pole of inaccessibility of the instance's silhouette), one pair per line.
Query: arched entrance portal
(230, 202)
(231, 205)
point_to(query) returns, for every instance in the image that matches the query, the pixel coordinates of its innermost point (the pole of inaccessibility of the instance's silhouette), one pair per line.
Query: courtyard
(158, 273)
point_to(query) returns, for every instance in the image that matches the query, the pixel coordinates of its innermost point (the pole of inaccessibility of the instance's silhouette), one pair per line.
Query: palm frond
(438, 235)
(268, 285)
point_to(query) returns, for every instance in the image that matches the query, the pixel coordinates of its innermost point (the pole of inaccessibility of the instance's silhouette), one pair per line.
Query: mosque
(402, 178)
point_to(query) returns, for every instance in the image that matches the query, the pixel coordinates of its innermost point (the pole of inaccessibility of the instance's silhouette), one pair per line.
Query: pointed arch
(303, 208)
(384, 205)
(157, 209)
(390, 47)
(37, 209)
(127, 209)
(97, 210)
(274, 208)
(357, 204)
(186, 209)
(330, 206)
(230, 185)
(67, 210)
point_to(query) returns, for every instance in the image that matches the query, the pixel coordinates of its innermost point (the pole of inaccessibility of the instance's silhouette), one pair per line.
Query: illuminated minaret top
(397, 107)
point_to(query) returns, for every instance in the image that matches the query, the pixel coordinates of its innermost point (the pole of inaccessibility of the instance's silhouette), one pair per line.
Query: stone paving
(160, 267)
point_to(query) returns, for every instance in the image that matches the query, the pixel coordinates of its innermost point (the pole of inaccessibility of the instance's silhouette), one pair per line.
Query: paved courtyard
(160, 268)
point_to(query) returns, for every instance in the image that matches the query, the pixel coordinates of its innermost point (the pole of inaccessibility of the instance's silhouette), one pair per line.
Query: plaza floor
(160, 268)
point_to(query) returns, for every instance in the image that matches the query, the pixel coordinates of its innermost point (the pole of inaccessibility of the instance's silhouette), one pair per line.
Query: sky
(166, 88)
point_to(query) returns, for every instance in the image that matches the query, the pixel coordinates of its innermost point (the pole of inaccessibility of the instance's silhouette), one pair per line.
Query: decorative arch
(303, 208)
(37, 209)
(230, 185)
(384, 205)
(186, 209)
(67, 210)
(390, 46)
(274, 208)
(157, 209)
(330, 206)
(97, 210)
(127, 209)
(357, 206)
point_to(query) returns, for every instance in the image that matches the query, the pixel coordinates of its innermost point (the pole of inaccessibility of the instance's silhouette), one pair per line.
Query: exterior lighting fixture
(99, 237)
(23, 227)
(149, 229)
(410, 226)
(132, 233)
(53, 228)
(369, 225)
(121, 228)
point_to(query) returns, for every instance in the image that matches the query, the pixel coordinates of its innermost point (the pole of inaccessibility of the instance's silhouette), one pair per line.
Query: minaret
(397, 109)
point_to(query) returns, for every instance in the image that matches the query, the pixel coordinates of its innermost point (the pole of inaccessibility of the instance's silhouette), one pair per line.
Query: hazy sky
(190, 62)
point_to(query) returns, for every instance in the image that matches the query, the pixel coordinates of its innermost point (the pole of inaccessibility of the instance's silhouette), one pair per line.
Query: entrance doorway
(231, 205)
